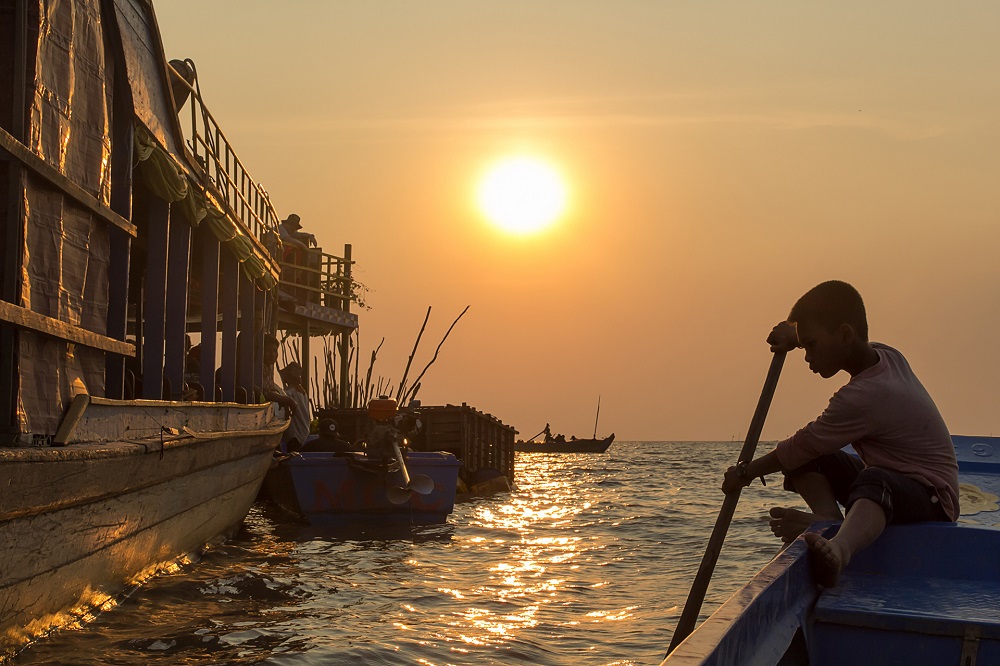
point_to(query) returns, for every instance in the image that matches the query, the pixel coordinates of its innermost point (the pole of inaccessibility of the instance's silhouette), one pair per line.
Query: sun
(522, 194)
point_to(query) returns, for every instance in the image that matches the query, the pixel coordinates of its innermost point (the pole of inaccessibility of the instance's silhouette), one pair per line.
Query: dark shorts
(904, 500)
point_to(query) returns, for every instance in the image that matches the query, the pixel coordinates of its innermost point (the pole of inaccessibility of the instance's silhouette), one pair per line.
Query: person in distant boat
(548, 433)
(298, 429)
(907, 470)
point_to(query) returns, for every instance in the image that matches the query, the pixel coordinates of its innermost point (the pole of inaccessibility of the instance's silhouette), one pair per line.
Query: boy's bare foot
(788, 524)
(827, 558)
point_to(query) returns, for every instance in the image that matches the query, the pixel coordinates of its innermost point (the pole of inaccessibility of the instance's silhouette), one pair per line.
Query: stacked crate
(479, 440)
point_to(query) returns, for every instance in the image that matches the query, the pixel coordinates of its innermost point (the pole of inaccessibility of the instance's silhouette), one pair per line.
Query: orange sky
(722, 159)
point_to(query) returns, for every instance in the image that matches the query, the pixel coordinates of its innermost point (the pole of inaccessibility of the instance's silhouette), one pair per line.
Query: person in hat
(296, 244)
(292, 235)
(298, 429)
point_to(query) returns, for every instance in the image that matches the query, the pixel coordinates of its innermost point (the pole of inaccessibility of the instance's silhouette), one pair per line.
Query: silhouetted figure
(298, 429)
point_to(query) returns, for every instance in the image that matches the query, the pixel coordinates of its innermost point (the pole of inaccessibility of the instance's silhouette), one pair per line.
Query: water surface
(588, 562)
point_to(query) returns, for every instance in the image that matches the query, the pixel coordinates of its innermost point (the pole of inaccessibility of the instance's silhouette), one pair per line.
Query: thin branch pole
(447, 333)
(371, 365)
(356, 351)
(402, 382)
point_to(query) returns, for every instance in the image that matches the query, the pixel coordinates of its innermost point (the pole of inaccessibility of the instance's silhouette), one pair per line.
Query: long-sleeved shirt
(892, 422)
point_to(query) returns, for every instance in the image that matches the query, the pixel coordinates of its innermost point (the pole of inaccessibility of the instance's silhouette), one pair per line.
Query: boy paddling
(907, 472)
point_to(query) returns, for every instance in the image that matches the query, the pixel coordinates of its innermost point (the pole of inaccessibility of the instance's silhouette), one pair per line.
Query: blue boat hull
(927, 593)
(337, 489)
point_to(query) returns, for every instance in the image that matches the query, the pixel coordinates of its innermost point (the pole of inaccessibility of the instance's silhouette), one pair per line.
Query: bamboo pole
(431, 362)
(402, 382)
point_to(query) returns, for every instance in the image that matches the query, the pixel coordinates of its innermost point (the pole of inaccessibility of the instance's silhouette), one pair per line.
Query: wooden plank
(32, 321)
(40, 167)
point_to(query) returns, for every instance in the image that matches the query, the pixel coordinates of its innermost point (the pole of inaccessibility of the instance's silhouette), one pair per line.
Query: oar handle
(692, 607)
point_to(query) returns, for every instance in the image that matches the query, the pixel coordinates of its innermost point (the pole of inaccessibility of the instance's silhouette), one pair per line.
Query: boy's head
(832, 327)
(831, 304)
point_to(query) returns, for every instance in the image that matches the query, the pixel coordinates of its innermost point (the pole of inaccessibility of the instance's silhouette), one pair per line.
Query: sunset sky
(720, 159)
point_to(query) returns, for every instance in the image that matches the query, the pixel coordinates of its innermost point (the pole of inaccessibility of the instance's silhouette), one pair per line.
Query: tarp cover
(65, 265)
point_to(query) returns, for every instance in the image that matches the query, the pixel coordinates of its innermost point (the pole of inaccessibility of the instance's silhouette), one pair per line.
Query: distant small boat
(560, 445)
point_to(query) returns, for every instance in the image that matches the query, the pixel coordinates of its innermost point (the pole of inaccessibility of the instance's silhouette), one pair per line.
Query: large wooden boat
(142, 483)
(926, 593)
(562, 445)
(124, 231)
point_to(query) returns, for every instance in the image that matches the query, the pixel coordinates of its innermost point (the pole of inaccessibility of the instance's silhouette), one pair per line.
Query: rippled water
(588, 562)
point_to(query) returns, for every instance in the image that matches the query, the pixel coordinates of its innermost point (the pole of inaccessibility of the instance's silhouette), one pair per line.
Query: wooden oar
(689, 616)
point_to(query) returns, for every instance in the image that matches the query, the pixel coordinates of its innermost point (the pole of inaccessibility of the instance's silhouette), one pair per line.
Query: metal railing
(224, 171)
(310, 275)
(316, 277)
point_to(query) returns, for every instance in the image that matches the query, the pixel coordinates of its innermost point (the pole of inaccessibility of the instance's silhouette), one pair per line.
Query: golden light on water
(522, 194)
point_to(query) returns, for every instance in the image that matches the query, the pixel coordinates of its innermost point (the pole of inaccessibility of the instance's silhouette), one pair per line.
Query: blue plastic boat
(344, 488)
(927, 593)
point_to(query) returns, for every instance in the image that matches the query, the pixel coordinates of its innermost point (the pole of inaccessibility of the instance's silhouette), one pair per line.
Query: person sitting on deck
(270, 390)
(907, 472)
(291, 235)
(298, 429)
(296, 251)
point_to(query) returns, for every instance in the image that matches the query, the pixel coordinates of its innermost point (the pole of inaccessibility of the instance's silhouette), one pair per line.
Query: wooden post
(175, 322)
(13, 221)
(306, 354)
(229, 294)
(119, 247)
(209, 308)
(260, 331)
(119, 241)
(246, 340)
(345, 348)
(154, 296)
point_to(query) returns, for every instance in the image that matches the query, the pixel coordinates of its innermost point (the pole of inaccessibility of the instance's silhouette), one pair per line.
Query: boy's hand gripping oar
(692, 607)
